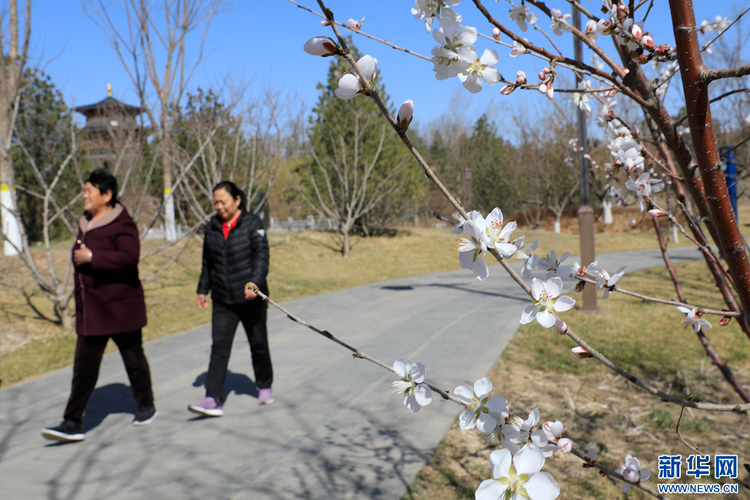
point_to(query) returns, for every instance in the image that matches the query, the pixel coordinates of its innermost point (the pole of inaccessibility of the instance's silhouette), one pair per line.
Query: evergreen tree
(43, 136)
(358, 172)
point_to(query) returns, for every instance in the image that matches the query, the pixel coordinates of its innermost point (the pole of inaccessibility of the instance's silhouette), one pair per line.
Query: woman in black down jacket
(235, 261)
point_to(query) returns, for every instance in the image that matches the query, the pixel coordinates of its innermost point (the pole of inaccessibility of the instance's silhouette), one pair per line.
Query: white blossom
(416, 393)
(518, 476)
(644, 187)
(480, 69)
(518, 49)
(546, 301)
(554, 266)
(482, 411)
(520, 15)
(632, 472)
(560, 22)
(354, 24)
(692, 318)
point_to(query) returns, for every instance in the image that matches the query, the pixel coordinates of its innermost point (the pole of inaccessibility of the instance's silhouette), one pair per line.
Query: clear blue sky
(261, 41)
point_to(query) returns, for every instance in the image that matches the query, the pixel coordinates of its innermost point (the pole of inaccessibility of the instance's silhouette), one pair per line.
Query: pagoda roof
(110, 103)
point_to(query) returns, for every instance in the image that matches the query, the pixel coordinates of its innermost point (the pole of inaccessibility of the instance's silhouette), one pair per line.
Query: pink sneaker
(265, 396)
(208, 406)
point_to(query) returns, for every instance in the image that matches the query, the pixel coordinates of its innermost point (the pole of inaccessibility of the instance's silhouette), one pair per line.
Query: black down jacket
(228, 265)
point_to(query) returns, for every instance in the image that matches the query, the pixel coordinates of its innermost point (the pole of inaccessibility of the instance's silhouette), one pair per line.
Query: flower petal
(554, 286)
(528, 460)
(497, 403)
(529, 314)
(417, 372)
(464, 394)
(564, 303)
(483, 387)
(486, 423)
(401, 367)
(537, 288)
(367, 65)
(542, 486)
(467, 419)
(546, 319)
(490, 489)
(480, 269)
(423, 394)
(500, 461)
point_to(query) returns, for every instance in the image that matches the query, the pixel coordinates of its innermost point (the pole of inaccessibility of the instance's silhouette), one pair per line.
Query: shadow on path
(237, 383)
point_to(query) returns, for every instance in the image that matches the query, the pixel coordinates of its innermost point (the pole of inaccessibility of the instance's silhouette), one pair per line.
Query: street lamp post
(585, 212)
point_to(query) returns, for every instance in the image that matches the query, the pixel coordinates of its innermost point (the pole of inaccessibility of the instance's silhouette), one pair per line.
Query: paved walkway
(334, 432)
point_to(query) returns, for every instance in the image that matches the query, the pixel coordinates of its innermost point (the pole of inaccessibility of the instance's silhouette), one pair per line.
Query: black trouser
(88, 359)
(225, 318)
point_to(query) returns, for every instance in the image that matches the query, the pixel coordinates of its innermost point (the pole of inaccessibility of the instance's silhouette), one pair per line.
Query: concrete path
(334, 432)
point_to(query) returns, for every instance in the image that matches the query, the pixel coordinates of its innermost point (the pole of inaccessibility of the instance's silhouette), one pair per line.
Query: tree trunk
(345, 247)
(607, 209)
(12, 242)
(170, 232)
(557, 224)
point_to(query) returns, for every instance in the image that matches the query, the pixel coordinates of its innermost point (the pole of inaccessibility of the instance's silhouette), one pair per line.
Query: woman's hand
(250, 289)
(82, 255)
(202, 302)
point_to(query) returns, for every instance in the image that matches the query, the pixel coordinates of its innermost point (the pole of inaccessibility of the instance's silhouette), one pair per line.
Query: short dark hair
(104, 181)
(231, 188)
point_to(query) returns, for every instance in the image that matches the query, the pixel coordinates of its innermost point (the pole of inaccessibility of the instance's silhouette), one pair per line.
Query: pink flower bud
(507, 90)
(550, 92)
(591, 455)
(565, 445)
(405, 114)
(543, 88)
(554, 429)
(561, 326)
(725, 321)
(496, 33)
(520, 78)
(655, 212)
(325, 22)
(633, 223)
(648, 41)
(321, 46)
(636, 31)
(644, 58)
(542, 75)
(546, 70)
(580, 352)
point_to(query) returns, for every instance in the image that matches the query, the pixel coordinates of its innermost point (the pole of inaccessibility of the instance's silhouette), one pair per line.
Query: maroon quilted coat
(108, 293)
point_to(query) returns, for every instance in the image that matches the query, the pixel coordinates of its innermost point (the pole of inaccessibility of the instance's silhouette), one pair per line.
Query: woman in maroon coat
(109, 304)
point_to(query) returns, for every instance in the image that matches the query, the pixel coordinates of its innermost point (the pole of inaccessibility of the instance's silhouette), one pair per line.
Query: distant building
(110, 131)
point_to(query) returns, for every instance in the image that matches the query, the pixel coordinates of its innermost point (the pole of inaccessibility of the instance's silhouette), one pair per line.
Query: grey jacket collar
(108, 218)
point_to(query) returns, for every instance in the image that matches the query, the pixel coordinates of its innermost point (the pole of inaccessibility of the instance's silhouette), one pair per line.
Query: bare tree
(143, 37)
(12, 65)
(343, 183)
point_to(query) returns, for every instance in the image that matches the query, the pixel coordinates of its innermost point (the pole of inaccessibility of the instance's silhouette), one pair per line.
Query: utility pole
(585, 212)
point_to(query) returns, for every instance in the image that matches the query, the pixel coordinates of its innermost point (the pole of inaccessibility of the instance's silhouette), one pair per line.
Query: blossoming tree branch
(695, 179)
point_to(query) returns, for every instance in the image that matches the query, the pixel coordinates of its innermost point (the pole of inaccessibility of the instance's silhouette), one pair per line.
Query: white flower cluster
(483, 234)
(624, 149)
(456, 56)
(720, 24)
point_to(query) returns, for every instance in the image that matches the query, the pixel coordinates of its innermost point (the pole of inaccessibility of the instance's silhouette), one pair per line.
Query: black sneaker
(68, 431)
(145, 415)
